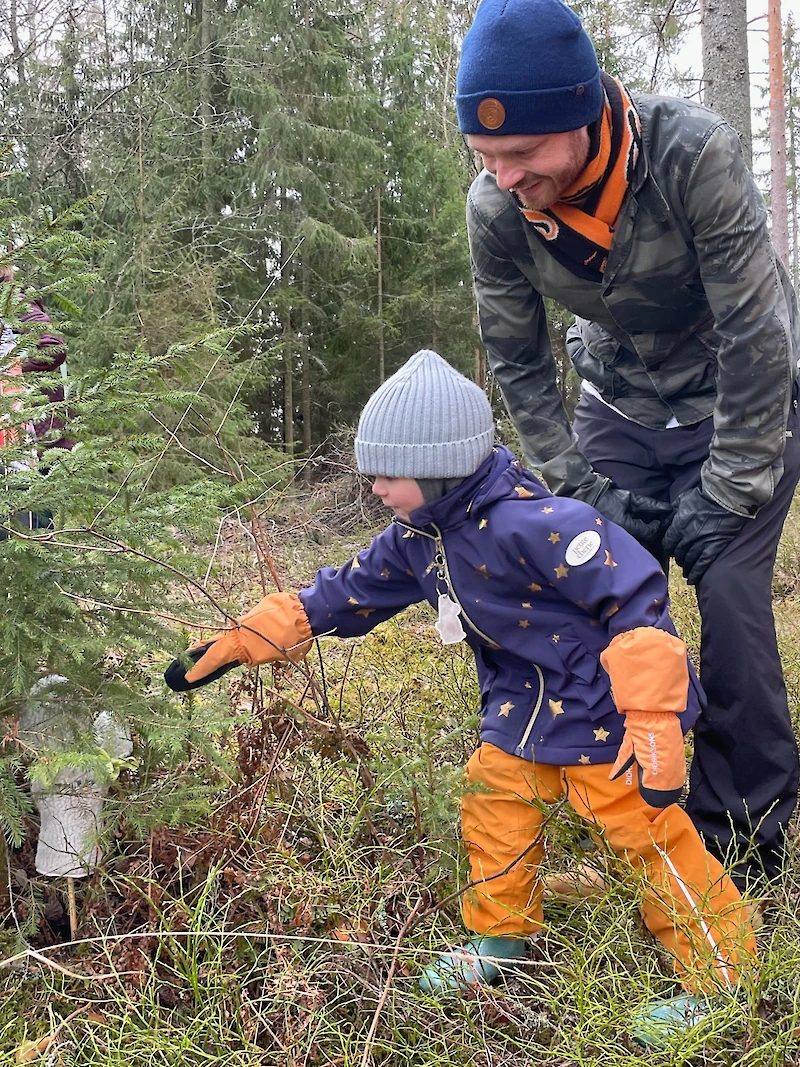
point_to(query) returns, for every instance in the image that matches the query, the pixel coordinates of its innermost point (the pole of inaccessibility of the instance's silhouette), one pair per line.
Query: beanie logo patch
(491, 113)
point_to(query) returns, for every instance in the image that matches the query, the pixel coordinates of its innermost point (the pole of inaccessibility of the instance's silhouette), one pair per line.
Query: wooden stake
(73, 911)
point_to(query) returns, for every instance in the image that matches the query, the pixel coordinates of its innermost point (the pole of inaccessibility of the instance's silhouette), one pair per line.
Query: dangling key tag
(448, 625)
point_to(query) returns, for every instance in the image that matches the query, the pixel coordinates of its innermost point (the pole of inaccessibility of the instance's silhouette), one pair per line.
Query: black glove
(642, 517)
(175, 674)
(699, 532)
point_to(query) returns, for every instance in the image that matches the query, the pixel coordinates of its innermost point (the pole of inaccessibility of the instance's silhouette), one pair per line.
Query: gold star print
(505, 708)
(354, 566)
(561, 571)
(601, 735)
(522, 492)
(555, 707)
(609, 562)
(352, 600)
(385, 572)
(483, 524)
(528, 685)
(584, 760)
(366, 612)
(482, 570)
(554, 538)
(525, 604)
(524, 624)
(410, 573)
(612, 610)
(598, 522)
(547, 511)
(556, 639)
(535, 588)
(522, 560)
(408, 533)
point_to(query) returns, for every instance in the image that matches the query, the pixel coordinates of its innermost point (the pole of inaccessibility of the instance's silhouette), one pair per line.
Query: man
(638, 213)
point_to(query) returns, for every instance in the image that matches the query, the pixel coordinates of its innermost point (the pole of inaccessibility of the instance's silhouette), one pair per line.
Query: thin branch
(91, 603)
(390, 976)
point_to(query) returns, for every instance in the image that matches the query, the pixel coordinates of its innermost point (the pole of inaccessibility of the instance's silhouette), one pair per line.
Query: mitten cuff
(649, 671)
(277, 628)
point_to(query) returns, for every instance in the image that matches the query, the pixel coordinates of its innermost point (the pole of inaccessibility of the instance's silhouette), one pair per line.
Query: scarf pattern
(579, 228)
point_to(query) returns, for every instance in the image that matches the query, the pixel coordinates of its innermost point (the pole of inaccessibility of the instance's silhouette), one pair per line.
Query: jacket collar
(494, 479)
(643, 185)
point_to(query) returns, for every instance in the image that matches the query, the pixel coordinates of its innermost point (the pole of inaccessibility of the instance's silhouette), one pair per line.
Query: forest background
(243, 216)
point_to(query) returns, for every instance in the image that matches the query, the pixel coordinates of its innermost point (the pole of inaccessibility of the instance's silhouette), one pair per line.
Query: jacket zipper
(440, 559)
(534, 715)
(444, 572)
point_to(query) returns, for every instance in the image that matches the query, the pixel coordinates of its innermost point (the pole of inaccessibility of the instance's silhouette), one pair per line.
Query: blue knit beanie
(426, 421)
(527, 67)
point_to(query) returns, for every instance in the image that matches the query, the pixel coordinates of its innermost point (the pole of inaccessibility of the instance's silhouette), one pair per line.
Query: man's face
(402, 495)
(537, 167)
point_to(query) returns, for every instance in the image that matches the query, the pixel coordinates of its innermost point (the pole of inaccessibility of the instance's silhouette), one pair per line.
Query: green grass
(288, 924)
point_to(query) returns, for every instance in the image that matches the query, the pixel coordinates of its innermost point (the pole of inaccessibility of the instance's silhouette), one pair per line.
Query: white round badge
(583, 548)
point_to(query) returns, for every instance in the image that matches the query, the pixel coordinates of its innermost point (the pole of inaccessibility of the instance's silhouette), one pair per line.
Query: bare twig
(385, 991)
(92, 603)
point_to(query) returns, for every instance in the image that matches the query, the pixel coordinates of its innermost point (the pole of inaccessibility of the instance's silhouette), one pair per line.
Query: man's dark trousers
(744, 775)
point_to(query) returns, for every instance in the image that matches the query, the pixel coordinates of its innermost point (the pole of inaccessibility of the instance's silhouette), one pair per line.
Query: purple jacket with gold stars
(543, 584)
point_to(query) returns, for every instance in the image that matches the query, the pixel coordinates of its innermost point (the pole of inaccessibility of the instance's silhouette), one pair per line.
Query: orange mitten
(650, 684)
(275, 629)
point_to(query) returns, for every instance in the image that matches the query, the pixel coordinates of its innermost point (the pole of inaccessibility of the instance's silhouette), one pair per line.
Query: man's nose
(508, 174)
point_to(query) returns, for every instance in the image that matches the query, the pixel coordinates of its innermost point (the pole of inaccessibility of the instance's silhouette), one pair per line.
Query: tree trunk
(481, 369)
(790, 62)
(140, 187)
(434, 327)
(305, 377)
(69, 140)
(28, 121)
(777, 134)
(206, 111)
(288, 388)
(381, 336)
(726, 67)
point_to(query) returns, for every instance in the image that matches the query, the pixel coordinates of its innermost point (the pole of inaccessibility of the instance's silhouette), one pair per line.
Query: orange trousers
(689, 902)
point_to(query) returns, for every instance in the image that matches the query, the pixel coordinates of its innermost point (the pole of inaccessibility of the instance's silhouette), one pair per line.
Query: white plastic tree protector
(70, 809)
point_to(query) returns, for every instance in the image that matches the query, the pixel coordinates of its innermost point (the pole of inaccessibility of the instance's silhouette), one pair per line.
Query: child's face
(402, 495)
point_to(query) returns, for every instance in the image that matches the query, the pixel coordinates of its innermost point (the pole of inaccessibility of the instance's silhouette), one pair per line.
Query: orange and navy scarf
(579, 228)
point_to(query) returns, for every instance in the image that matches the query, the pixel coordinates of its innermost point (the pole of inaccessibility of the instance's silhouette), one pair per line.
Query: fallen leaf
(32, 1050)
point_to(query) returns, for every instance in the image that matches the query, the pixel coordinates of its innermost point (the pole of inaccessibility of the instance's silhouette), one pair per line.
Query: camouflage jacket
(695, 314)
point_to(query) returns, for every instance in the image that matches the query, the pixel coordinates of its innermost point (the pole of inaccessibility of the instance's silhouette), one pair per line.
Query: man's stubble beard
(556, 184)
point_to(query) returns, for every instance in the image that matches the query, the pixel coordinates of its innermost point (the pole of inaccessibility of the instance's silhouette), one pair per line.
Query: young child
(559, 606)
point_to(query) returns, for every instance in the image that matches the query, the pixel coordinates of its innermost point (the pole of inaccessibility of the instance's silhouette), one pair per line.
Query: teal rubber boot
(481, 962)
(662, 1019)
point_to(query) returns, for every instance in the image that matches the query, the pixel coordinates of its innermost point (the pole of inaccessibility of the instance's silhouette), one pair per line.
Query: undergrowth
(284, 919)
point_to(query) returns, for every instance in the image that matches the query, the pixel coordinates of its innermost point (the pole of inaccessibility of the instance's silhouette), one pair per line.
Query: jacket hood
(490, 482)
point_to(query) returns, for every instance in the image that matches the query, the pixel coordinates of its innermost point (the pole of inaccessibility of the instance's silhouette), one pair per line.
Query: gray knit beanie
(426, 421)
